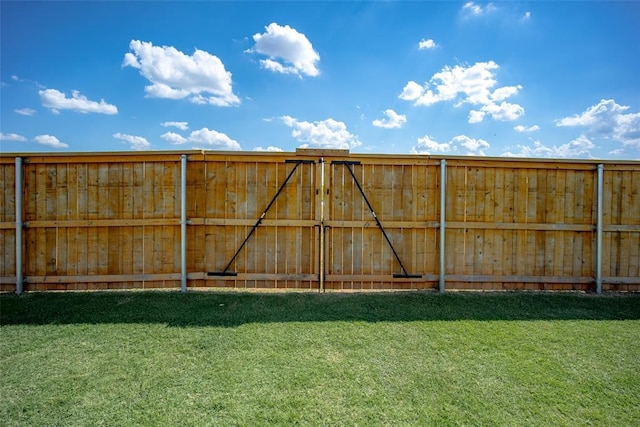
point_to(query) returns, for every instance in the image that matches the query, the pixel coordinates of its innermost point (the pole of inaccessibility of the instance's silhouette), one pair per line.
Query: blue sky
(529, 79)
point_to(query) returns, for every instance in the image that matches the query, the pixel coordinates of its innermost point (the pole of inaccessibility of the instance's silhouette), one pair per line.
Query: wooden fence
(316, 219)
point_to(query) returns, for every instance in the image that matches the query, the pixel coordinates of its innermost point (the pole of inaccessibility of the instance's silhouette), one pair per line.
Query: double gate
(317, 220)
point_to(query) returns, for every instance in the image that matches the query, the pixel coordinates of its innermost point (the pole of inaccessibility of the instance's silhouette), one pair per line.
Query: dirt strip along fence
(316, 219)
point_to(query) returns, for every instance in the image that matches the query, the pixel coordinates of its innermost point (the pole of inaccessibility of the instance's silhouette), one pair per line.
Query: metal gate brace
(404, 274)
(226, 271)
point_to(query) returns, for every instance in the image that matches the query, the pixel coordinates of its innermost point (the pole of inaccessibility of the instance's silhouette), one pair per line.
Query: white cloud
(526, 16)
(214, 139)
(468, 85)
(276, 67)
(327, 133)
(521, 128)
(607, 119)
(288, 51)
(179, 125)
(427, 145)
(578, 148)
(137, 143)
(201, 77)
(460, 144)
(504, 92)
(209, 139)
(56, 101)
(503, 112)
(25, 111)
(173, 138)
(427, 44)
(50, 141)
(270, 148)
(472, 9)
(411, 92)
(476, 116)
(11, 137)
(393, 120)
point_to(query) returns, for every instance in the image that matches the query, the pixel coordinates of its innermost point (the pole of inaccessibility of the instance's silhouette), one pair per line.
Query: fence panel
(520, 226)
(7, 223)
(95, 224)
(621, 234)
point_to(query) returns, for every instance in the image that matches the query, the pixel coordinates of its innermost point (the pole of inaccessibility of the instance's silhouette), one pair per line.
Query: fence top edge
(211, 155)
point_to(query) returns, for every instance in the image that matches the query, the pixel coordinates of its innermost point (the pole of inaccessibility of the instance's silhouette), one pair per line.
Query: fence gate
(318, 220)
(381, 224)
(258, 222)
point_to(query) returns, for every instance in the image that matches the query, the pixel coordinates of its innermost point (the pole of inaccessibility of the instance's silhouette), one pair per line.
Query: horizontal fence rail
(316, 219)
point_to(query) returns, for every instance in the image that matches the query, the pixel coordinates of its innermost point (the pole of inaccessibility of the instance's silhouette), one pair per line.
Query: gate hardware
(306, 162)
(345, 162)
(225, 272)
(222, 273)
(404, 274)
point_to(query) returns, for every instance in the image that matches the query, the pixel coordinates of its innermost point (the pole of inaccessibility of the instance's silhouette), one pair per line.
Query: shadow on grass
(230, 309)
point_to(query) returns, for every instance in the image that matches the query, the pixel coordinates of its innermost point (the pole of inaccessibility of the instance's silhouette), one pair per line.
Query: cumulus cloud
(270, 148)
(411, 92)
(56, 101)
(427, 44)
(503, 112)
(204, 138)
(25, 111)
(578, 148)
(179, 125)
(200, 77)
(521, 128)
(137, 143)
(214, 139)
(50, 141)
(393, 120)
(327, 133)
(288, 51)
(173, 138)
(460, 144)
(607, 119)
(473, 9)
(617, 152)
(467, 85)
(11, 137)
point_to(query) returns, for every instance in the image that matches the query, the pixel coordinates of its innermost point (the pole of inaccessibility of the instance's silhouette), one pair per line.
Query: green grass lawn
(205, 358)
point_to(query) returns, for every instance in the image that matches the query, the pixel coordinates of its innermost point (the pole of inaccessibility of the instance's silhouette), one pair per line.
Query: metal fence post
(599, 231)
(19, 225)
(443, 193)
(322, 236)
(183, 223)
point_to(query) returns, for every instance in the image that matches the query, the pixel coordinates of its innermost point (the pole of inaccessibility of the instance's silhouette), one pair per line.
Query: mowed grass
(221, 358)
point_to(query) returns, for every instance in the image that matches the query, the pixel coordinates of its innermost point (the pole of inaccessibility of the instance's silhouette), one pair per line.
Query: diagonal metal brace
(404, 274)
(225, 272)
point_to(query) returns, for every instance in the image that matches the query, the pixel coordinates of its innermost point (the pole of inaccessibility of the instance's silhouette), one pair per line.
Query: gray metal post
(19, 225)
(599, 231)
(443, 192)
(183, 224)
(321, 234)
